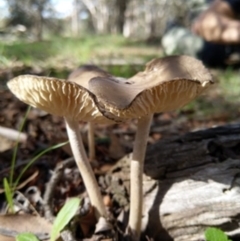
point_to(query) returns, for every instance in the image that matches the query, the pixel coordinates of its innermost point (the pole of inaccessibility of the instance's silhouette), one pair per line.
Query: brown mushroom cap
(84, 73)
(57, 97)
(166, 84)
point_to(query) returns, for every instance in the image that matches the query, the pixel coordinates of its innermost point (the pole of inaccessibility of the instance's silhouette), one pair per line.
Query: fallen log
(191, 183)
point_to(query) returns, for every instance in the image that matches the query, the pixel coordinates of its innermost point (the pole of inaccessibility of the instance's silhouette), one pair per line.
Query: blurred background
(78, 31)
(148, 20)
(53, 37)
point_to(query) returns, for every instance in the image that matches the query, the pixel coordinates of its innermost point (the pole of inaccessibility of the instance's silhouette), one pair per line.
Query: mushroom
(165, 85)
(74, 102)
(81, 76)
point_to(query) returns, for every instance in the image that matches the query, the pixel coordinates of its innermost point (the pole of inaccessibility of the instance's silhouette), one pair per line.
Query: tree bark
(191, 183)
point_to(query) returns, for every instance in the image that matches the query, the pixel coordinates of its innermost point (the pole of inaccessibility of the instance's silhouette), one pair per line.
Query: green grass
(222, 99)
(57, 56)
(230, 83)
(59, 51)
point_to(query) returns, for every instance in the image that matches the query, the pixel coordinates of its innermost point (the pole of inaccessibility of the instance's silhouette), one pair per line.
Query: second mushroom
(166, 84)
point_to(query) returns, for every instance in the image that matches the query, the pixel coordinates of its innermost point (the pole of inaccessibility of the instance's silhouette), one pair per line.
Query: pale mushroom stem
(85, 168)
(136, 190)
(91, 141)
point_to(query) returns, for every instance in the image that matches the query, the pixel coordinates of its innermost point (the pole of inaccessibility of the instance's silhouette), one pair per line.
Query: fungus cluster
(93, 95)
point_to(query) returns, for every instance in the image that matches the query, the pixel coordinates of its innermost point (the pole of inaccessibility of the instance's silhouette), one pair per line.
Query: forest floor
(219, 106)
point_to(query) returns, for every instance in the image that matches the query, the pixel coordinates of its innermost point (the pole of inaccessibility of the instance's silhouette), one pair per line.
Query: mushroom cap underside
(166, 84)
(57, 97)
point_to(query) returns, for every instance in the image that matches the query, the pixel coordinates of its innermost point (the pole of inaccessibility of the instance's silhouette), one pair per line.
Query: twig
(12, 134)
(48, 195)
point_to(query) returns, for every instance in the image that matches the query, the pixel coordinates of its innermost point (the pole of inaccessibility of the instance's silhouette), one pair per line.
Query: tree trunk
(39, 24)
(191, 183)
(99, 12)
(75, 19)
(121, 6)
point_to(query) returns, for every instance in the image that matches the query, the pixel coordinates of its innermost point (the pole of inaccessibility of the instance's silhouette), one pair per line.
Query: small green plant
(215, 234)
(66, 213)
(64, 216)
(10, 185)
(26, 237)
(8, 195)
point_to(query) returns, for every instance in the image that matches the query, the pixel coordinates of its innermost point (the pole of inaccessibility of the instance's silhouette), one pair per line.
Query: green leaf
(64, 216)
(26, 237)
(8, 194)
(215, 234)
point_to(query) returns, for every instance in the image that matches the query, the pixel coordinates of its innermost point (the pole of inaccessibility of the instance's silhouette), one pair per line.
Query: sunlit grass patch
(229, 81)
(222, 99)
(75, 51)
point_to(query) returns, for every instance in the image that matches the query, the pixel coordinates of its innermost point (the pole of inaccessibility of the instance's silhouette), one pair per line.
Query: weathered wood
(192, 182)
